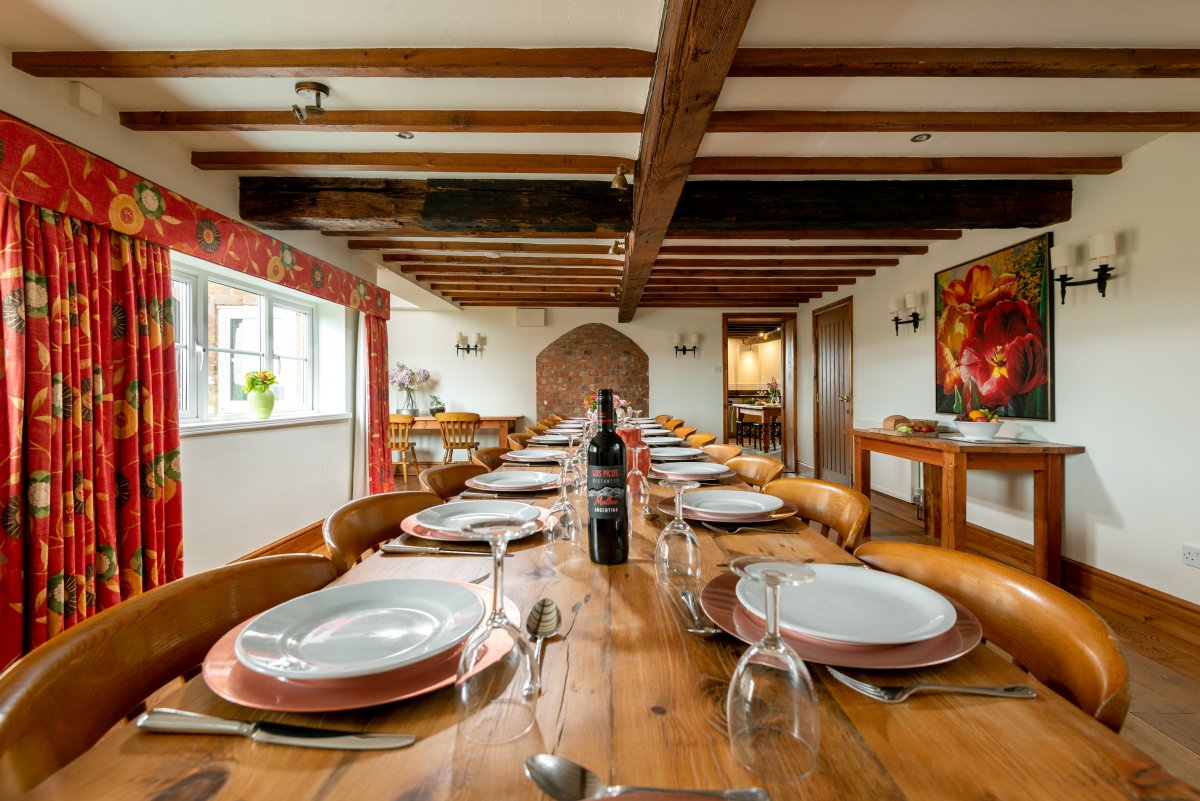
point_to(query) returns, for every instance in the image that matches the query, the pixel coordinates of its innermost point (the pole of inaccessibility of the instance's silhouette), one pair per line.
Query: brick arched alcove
(592, 355)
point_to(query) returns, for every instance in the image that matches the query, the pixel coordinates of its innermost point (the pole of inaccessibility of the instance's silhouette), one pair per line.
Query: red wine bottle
(608, 514)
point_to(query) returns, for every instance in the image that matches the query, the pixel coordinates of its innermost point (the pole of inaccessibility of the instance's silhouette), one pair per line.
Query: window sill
(239, 425)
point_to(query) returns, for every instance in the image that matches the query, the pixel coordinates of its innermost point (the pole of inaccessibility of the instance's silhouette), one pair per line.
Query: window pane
(181, 303)
(292, 390)
(290, 331)
(226, 375)
(234, 318)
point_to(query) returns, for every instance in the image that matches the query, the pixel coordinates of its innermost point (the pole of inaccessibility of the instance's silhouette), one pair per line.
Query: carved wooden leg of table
(862, 475)
(954, 501)
(1048, 519)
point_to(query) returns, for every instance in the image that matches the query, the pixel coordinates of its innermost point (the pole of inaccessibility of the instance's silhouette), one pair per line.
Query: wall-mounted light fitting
(619, 180)
(692, 346)
(909, 304)
(314, 90)
(617, 248)
(1101, 250)
(461, 346)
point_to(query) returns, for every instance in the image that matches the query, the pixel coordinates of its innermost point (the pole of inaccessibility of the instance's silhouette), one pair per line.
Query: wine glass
(562, 523)
(574, 472)
(677, 552)
(638, 483)
(497, 696)
(773, 718)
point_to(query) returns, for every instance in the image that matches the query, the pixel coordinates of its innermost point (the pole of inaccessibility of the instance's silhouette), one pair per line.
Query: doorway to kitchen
(760, 389)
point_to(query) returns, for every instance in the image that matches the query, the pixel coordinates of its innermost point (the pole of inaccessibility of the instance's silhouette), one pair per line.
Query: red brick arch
(592, 355)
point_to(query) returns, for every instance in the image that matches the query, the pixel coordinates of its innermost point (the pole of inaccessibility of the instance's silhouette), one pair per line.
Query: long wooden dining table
(633, 696)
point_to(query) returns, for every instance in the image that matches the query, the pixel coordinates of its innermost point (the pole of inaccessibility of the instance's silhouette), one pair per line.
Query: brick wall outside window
(592, 355)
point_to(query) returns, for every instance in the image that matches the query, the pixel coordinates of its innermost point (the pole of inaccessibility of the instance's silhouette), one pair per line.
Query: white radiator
(894, 476)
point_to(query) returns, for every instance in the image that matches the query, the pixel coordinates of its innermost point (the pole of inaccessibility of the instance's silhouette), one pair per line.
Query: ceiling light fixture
(618, 247)
(924, 137)
(405, 134)
(619, 180)
(314, 90)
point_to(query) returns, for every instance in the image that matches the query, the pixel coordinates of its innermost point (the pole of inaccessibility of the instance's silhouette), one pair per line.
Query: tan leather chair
(448, 480)
(673, 424)
(490, 457)
(399, 429)
(61, 698)
(842, 510)
(721, 453)
(684, 431)
(554, 418)
(757, 471)
(547, 424)
(458, 433)
(1047, 631)
(517, 442)
(363, 523)
(662, 418)
(700, 440)
(535, 430)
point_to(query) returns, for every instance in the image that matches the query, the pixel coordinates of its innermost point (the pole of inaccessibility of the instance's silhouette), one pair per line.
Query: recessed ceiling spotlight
(922, 137)
(405, 134)
(491, 254)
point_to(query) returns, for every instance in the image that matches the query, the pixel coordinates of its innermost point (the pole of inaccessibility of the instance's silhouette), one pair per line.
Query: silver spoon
(543, 622)
(564, 780)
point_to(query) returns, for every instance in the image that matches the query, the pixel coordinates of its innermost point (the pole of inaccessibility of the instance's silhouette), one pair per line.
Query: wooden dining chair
(840, 510)
(684, 431)
(700, 440)
(536, 430)
(673, 424)
(547, 424)
(721, 453)
(363, 523)
(399, 431)
(62, 697)
(517, 442)
(490, 457)
(757, 471)
(458, 433)
(448, 480)
(1048, 632)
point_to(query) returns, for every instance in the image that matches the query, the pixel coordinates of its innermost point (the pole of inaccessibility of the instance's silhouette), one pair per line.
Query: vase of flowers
(258, 392)
(436, 405)
(407, 379)
(773, 393)
(591, 404)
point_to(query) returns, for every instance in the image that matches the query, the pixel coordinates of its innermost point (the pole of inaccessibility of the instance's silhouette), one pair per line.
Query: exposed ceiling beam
(664, 303)
(966, 62)
(758, 263)
(525, 289)
(740, 275)
(511, 272)
(916, 234)
(390, 120)
(696, 45)
(377, 62)
(793, 250)
(882, 165)
(486, 247)
(547, 163)
(780, 121)
(738, 281)
(509, 261)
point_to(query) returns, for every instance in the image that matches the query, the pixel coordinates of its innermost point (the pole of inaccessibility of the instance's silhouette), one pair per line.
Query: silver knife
(394, 547)
(177, 721)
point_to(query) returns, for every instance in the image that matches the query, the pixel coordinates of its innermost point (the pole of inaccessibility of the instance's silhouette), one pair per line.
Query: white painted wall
(1125, 373)
(502, 380)
(752, 369)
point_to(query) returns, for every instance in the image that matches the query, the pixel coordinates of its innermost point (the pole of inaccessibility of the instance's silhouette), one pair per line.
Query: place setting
(730, 506)
(675, 453)
(515, 481)
(550, 439)
(691, 471)
(534, 456)
(445, 522)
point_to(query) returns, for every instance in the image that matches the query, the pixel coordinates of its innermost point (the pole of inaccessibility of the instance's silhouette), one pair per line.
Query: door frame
(848, 302)
(788, 385)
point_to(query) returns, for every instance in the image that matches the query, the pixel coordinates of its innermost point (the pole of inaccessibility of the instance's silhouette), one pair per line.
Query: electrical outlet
(1191, 555)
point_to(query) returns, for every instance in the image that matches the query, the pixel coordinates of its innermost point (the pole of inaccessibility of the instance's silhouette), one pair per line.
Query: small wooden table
(766, 415)
(946, 464)
(503, 426)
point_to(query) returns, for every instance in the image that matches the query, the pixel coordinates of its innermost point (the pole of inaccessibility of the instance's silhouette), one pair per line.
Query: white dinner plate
(515, 479)
(550, 439)
(359, 629)
(660, 441)
(456, 514)
(642, 420)
(845, 603)
(730, 502)
(532, 455)
(675, 453)
(700, 471)
(655, 432)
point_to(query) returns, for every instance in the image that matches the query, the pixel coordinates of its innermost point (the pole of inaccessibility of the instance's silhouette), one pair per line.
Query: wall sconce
(462, 347)
(1101, 249)
(909, 302)
(693, 341)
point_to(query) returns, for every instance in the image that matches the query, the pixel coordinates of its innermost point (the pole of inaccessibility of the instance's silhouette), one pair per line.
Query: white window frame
(194, 408)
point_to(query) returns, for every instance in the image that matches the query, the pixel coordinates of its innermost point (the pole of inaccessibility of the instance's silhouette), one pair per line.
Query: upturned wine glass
(497, 695)
(562, 523)
(771, 708)
(677, 552)
(639, 487)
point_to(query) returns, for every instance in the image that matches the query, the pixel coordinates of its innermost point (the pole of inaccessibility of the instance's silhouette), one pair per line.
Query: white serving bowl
(978, 430)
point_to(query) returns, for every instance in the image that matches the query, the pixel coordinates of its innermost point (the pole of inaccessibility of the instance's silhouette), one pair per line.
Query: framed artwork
(993, 345)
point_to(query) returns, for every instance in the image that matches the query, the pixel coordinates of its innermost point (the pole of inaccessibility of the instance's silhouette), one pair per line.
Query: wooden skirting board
(1154, 608)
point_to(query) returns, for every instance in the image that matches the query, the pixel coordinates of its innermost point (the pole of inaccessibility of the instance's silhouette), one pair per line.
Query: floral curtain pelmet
(89, 503)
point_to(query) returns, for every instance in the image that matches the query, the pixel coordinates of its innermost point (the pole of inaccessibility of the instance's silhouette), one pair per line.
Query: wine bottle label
(606, 491)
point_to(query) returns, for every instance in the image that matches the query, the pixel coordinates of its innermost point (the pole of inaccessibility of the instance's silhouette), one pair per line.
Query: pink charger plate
(666, 506)
(233, 681)
(409, 525)
(720, 603)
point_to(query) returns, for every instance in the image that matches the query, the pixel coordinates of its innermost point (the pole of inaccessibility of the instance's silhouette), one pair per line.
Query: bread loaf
(893, 421)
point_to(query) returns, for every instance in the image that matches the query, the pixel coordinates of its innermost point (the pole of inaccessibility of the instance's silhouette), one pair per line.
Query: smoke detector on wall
(314, 91)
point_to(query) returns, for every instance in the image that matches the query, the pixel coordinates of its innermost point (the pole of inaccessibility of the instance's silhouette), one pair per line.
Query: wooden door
(833, 391)
(791, 398)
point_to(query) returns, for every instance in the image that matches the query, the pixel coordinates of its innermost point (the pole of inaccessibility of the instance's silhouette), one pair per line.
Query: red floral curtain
(379, 458)
(90, 503)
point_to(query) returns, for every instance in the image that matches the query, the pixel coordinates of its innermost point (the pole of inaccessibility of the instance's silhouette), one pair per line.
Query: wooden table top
(631, 695)
(942, 443)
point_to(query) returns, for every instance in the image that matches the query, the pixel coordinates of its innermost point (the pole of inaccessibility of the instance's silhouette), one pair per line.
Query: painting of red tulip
(993, 333)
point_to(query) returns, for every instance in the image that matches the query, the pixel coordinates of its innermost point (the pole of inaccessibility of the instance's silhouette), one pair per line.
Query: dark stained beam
(966, 62)
(533, 298)
(983, 165)
(735, 281)
(783, 251)
(738, 275)
(697, 42)
(520, 289)
(778, 121)
(465, 62)
(918, 234)
(549, 164)
(758, 263)
(488, 269)
(486, 247)
(390, 120)
(505, 261)
(506, 280)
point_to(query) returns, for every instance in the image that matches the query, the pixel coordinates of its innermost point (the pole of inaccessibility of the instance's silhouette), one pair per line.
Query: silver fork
(897, 694)
(740, 529)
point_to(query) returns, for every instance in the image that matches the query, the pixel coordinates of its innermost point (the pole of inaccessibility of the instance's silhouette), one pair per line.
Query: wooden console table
(946, 464)
(763, 414)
